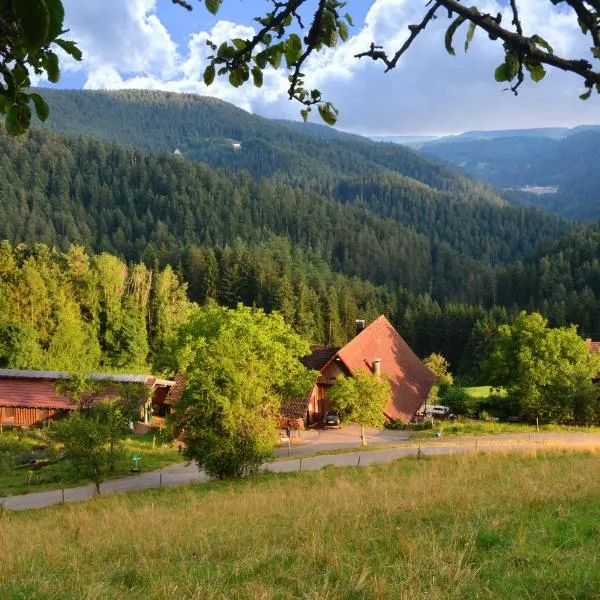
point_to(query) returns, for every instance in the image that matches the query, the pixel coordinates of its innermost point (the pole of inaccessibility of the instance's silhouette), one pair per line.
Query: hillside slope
(205, 129)
(569, 165)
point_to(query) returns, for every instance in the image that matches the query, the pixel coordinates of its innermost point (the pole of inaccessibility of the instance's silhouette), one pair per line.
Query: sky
(154, 44)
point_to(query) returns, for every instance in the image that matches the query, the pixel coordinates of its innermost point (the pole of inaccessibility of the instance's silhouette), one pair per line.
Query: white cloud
(126, 45)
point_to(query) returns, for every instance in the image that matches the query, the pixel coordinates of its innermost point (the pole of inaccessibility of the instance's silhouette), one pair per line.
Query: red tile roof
(31, 393)
(319, 357)
(410, 379)
(295, 408)
(593, 346)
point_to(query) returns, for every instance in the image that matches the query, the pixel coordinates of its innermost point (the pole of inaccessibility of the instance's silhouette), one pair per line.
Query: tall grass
(484, 526)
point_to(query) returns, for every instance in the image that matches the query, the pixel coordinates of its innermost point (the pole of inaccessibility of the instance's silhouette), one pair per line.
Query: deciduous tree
(547, 372)
(240, 365)
(361, 399)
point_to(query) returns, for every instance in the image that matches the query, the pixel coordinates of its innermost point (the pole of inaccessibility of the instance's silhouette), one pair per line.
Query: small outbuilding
(30, 398)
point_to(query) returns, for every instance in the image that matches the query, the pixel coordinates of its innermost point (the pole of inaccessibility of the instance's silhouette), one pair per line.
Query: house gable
(410, 379)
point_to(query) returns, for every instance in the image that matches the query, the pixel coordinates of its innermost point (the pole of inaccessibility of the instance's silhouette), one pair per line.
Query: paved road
(183, 474)
(320, 440)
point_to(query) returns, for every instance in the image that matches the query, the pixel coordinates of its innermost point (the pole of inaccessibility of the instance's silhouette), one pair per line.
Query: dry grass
(462, 526)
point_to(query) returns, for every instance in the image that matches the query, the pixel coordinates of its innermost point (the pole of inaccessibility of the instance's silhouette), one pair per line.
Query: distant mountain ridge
(567, 166)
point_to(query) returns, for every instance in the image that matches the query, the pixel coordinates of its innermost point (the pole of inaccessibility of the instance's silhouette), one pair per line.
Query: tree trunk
(363, 437)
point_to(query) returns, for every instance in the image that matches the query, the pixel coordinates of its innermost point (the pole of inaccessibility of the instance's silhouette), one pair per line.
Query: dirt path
(184, 474)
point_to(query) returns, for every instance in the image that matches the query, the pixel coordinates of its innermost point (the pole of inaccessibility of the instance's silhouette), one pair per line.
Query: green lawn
(479, 392)
(467, 427)
(60, 474)
(453, 527)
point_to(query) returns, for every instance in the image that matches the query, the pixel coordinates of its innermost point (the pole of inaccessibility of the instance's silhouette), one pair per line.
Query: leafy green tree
(85, 438)
(440, 367)
(19, 348)
(361, 398)
(547, 372)
(455, 397)
(30, 31)
(240, 365)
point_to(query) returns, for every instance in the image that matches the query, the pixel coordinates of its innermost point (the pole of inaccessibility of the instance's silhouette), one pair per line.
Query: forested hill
(569, 164)
(136, 205)
(205, 129)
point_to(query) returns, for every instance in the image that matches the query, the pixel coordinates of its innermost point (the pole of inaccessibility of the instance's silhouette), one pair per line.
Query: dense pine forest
(357, 230)
(75, 312)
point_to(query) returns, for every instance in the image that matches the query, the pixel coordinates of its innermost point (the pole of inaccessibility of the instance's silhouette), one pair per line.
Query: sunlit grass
(60, 474)
(467, 427)
(462, 526)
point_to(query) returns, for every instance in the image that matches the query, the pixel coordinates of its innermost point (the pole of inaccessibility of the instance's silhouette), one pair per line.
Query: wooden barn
(378, 348)
(30, 399)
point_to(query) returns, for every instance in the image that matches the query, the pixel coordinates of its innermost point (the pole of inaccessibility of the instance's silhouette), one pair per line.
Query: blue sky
(156, 45)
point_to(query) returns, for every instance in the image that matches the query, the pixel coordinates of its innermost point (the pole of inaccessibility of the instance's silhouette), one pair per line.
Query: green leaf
(34, 18)
(209, 74)
(502, 73)
(450, 33)
(328, 113)
(41, 107)
(20, 76)
(349, 19)
(512, 62)
(293, 49)
(18, 119)
(536, 70)
(52, 68)
(239, 43)
(70, 48)
(470, 34)
(261, 59)
(236, 78)
(257, 76)
(536, 39)
(222, 51)
(275, 56)
(586, 95)
(343, 30)
(213, 6)
(57, 16)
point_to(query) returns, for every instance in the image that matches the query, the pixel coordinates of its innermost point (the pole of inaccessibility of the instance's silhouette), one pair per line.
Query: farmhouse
(378, 348)
(30, 398)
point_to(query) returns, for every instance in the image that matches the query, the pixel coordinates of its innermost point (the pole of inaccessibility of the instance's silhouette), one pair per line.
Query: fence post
(62, 490)
(300, 465)
(160, 480)
(358, 464)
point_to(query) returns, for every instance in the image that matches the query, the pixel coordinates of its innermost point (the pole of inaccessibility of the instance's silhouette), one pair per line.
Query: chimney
(376, 366)
(360, 325)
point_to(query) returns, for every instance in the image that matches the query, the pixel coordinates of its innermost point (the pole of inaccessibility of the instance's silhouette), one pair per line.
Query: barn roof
(32, 393)
(319, 357)
(54, 375)
(410, 379)
(35, 389)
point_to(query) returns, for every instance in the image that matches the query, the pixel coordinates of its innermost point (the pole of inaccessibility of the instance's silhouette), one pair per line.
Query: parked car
(333, 418)
(436, 411)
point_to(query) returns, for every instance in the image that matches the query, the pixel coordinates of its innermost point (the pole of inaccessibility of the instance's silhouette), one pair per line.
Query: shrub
(456, 398)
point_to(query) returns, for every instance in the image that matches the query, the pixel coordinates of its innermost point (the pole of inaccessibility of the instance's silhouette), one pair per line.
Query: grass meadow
(61, 474)
(453, 527)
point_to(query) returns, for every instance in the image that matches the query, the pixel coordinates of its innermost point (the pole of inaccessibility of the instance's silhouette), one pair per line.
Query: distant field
(454, 527)
(481, 391)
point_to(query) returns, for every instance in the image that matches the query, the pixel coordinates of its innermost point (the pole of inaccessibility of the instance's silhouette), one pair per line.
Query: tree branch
(376, 53)
(524, 46)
